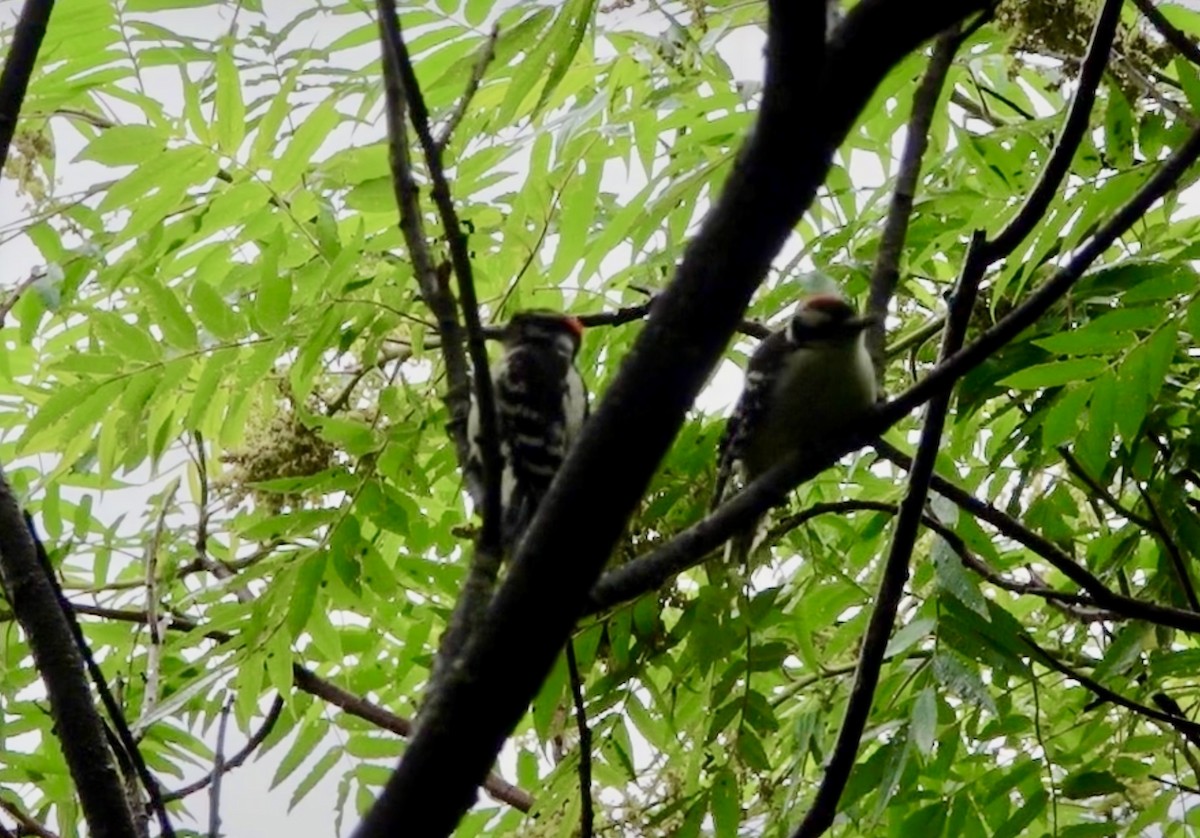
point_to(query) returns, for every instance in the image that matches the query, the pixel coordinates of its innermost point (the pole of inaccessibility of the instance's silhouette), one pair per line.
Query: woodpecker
(541, 404)
(804, 384)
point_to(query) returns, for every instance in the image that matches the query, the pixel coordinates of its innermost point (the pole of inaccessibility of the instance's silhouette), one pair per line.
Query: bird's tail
(742, 546)
(517, 515)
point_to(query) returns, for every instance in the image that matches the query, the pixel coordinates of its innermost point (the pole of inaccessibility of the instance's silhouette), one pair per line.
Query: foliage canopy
(222, 399)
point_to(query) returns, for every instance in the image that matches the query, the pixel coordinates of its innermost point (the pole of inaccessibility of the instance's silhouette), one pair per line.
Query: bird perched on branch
(804, 384)
(541, 404)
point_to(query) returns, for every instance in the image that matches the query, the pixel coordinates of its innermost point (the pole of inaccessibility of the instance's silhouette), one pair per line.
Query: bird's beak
(862, 322)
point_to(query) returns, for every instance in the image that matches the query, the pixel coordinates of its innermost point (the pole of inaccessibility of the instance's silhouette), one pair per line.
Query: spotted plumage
(541, 404)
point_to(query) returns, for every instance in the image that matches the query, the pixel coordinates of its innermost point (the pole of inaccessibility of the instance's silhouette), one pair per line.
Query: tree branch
(895, 572)
(1178, 562)
(214, 791)
(432, 280)
(401, 81)
(1074, 126)
(772, 487)
(1101, 491)
(886, 273)
(1171, 34)
(308, 681)
(59, 663)
(1185, 726)
(774, 180)
(18, 67)
(1101, 595)
(122, 743)
(313, 684)
(587, 816)
(486, 53)
(26, 824)
(256, 739)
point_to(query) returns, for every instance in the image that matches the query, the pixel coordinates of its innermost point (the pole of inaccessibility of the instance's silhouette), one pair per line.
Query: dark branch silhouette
(401, 84)
(80, 728)
(1073, 129)
(886, 272)
(774, 180)
(18, 67)
(1173, 35)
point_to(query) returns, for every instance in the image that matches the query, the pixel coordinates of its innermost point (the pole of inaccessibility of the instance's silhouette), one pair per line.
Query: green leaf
(304, 595)
(1063, 417)
(304, 143)
(309, 735)
(1118, 130)
(168, 312)
(924, 720)
(266, 136)
(166, 172)
(476, 11)
(1055, 373)
(273, 302)
(324, 765)
(124, 338)
(1086, 341)
(725, 804)
(214, 314)
(953, 577)
(125, 145)
(230, 109)
(1084, 784)
(1026, 813)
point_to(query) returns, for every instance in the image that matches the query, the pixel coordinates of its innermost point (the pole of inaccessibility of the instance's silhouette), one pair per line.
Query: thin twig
(121, 740)
(1185, 726)
(1172, 783)
(312, 684)
(1172, 548)
(214, 791)
(256, 739)
(308, 681)
(150, 696)
(14, 296)
(397, 64)
(587, 814)
(27, 824)
(433, 280)
(821, 813)
(1101, 595)
(1101, 491)
(1080, 607)
(886, 273)
(486, 53)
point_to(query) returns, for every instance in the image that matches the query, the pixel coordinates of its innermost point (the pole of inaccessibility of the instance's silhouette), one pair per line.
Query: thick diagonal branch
(773, 182)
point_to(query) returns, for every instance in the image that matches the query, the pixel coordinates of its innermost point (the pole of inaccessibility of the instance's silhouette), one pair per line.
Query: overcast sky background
(248, 806)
